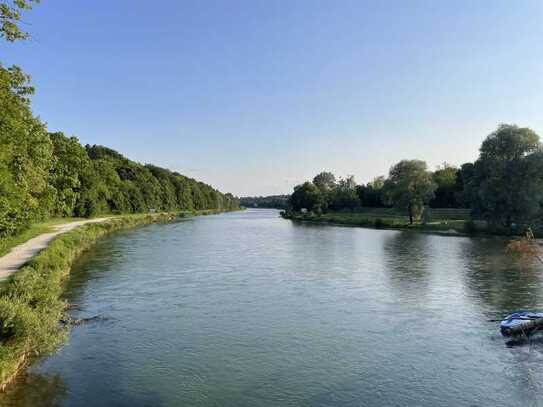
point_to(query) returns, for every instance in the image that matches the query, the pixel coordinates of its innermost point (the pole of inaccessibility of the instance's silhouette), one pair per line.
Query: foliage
(10, 16)
(44, 175)
(503, 188)
(25, 156)
(409, 186)
(463, 177)
(445, 195)
(506, 187)
(70, 162)
(344, 195)
(525, 248)
(306, 196)
(325, 181)
(272, 201)
(371, 194)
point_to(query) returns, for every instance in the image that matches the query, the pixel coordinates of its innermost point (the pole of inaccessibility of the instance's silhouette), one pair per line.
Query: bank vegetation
(500, 193)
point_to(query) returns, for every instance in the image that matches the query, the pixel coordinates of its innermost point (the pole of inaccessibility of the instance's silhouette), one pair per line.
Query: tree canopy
(43, 174)
(506, 186)
(325, 181)
(306, 196)
(10, 17)
(25, 155)
(445, 195)
(410, 186)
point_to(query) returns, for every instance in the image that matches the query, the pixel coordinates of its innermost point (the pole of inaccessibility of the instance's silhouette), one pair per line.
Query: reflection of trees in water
(50, 390)
(323, 251)
(407, 259)
(34, 390)
(98, 259)
(499, 280)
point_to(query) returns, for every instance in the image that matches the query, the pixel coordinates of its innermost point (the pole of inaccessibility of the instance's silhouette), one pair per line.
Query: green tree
(25, 156)
(464, 176)
(371, 194)
(325, 181)
(10, 16)
(445, 178)
(306, 196)
(70, 161)
(507, 182)
(409, 186)
(344, 195)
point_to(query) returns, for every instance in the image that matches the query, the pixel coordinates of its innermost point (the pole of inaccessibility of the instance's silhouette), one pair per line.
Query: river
(248, 309)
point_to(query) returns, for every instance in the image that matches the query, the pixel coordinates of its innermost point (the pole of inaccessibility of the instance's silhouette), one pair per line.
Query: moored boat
(521, 323)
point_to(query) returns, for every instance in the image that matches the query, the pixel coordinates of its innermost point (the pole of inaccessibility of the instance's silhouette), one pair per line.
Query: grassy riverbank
(450, 221)
(8, 243)
(31, 307)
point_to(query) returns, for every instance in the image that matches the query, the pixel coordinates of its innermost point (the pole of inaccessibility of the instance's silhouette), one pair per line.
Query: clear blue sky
(255, 96)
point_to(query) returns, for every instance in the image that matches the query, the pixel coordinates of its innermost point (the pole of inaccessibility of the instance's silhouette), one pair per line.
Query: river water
(247, 309)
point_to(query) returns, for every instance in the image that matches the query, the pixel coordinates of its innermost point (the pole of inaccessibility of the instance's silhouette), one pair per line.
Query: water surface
(247, 309)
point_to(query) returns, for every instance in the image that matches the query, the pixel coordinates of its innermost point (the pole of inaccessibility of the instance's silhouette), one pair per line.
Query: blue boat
(521, 323)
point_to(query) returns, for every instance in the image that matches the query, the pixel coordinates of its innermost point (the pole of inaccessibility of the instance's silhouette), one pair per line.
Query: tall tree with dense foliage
(371, 194)
(463, 178)
(409, 186)
(344, 195)
(325, 181)
(306, 196)
(25, 156)
(70, 162)
(445, 178)
(10, 16)
(507, 182)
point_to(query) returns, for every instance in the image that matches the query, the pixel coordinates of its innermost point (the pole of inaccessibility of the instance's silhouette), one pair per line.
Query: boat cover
(515, 322)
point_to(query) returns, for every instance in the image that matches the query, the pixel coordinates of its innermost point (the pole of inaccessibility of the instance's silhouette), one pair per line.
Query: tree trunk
(410, 209)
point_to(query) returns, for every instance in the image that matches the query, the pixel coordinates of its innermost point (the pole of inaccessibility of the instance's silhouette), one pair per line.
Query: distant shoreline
(452, 227)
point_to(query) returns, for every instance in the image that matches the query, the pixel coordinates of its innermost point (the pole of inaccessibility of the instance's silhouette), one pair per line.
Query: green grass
(8, 243)
(441, 220)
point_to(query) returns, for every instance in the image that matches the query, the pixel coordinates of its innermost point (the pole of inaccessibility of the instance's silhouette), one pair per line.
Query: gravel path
(19, 255)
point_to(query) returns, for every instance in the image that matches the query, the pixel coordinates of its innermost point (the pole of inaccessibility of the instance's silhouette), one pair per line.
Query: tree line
(271, 201)
(46, 175)
(504, 186)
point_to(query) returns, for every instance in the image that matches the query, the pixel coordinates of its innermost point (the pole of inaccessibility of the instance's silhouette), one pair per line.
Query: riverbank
(31, 307)
(444, 221)
(22, 253)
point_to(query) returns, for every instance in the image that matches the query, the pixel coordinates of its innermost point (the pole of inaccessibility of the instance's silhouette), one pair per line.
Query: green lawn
(441, 219)
(436, 214)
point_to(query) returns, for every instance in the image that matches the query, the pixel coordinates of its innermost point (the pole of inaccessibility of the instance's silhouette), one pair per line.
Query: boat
(521, 323)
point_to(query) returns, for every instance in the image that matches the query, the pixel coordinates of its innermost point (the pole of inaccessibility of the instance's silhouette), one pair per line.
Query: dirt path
(19, 255)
